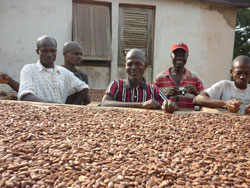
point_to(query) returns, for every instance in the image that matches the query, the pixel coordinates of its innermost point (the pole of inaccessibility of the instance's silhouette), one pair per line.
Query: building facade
(107, 29)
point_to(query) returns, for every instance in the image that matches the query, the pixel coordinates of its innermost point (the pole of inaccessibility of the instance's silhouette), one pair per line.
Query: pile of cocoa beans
(65, 146)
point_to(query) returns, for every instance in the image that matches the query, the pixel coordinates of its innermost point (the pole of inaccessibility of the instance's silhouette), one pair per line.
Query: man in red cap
(178, 83)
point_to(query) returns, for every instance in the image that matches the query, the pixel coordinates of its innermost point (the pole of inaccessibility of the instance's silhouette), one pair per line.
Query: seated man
(134, 92)
(47, 82)
(72, 52)
(178, 83)
(234, 95)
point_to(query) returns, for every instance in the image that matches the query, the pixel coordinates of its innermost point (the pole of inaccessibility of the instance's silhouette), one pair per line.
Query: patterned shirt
(51, 86)
(164, 81)
(121, 90)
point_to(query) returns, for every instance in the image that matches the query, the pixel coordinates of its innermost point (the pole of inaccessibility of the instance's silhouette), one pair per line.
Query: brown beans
(51, 146)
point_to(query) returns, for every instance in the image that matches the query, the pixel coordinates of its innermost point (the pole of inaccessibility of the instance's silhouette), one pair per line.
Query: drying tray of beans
(75, 146)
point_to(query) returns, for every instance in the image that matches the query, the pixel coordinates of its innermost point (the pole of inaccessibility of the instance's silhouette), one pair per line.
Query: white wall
(208, 32)
(22, 22)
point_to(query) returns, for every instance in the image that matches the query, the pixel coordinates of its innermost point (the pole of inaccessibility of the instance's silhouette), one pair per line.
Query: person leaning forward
(233, 96)
(72, 52)
(177, 82)
(134, 92)
(44, 81)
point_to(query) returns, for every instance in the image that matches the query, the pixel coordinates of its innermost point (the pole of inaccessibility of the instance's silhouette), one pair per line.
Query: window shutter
(136, 31)
(91, 28)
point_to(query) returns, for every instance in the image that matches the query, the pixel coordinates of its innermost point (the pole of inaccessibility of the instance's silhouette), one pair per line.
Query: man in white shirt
(47, 82)
(233, 96)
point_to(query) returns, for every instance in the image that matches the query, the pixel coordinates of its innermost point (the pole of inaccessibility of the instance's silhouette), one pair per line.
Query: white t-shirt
(226, 90)
(49, 84)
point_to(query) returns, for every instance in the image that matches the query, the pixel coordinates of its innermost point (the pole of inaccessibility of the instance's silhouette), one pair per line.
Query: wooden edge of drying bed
(96, 105)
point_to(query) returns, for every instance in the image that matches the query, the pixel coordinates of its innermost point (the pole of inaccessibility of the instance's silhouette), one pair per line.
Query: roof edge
(233, 3)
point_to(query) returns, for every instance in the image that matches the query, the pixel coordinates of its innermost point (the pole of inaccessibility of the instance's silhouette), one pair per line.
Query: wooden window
(135, 31)
(92, 29)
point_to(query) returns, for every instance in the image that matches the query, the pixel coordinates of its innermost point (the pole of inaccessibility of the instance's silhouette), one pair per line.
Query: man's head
(179, 55)
(241, 71)
(135, 64)
(46, 49)
(72, 52)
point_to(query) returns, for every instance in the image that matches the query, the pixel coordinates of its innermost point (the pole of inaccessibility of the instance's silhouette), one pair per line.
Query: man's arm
(150, 104)
(203, 99)
(13, 84)
(109, 101)
(31, 97)
(82, 97)
(5, 78)
(247, 110)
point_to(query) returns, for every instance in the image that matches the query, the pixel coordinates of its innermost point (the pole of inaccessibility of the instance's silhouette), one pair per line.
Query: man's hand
(171, 91)
(86, 100)
(169, 106)
(233, 105)
(4, 78)
(191, 89)
(151, 104)
(2, 93)
(247, 110)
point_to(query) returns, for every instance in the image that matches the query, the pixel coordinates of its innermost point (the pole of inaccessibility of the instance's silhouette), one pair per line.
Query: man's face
(179, 59)
(74, 56)
(135, 67)
(241, 75)
(47, 54)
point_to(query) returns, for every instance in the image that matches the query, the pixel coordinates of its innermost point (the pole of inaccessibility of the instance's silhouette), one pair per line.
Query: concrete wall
(99, 77)
(208, 30)
(22, 22)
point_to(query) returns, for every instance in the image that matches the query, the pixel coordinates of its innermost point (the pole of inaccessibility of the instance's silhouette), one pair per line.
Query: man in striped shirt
(133, 92)
(178, 83)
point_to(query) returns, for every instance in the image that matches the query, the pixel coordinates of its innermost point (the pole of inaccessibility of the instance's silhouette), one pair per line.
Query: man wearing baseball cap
(177, 82)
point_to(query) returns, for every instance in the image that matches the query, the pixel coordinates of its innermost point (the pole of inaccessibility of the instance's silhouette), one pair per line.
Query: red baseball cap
(179, 45)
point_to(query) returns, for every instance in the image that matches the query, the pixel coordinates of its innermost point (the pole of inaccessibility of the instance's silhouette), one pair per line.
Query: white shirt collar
(41, 67)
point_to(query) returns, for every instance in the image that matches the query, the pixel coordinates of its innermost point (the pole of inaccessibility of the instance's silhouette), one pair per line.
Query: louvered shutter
(136, 31)
(91, 28)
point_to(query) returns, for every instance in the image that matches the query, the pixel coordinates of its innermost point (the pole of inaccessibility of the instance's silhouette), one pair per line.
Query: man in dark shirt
(72, 52)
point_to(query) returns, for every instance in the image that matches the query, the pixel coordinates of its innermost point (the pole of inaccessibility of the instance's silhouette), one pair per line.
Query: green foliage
(242, 33)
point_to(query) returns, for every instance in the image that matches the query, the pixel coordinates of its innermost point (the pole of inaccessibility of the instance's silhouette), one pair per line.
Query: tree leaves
(242, 33)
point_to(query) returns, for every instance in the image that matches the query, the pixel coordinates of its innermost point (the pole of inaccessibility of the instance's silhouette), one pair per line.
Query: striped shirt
(164, 81)
(122, 91)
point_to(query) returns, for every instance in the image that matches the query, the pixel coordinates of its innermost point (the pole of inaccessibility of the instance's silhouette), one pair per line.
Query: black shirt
(82, 76)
